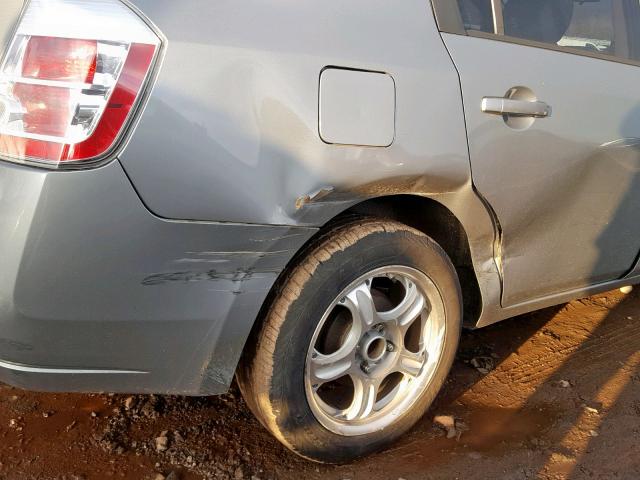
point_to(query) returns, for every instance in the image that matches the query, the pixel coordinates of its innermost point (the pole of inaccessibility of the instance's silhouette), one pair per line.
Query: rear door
(552, 97)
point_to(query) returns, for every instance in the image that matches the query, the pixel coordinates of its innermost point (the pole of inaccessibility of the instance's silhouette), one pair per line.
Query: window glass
(585, 25)
(477, 15)
(597, 26)
(591, 27)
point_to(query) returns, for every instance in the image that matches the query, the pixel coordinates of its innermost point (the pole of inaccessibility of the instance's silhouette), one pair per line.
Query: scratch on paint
(284, 237)
(238, 276)
(257, 254)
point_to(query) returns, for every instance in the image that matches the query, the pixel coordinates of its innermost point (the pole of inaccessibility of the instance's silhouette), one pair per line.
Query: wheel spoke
(327, 368)
(410, 363)
(362, 307)
(364, 397)
(410, 308)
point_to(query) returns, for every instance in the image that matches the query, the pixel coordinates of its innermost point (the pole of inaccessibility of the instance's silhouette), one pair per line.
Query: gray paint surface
(8, 15)
(231, 130)
(93, 281)
(565, 189)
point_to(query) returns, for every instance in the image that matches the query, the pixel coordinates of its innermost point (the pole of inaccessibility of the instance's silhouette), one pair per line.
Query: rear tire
(299, 343)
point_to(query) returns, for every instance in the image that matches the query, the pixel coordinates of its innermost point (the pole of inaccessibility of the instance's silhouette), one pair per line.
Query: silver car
(313, 197)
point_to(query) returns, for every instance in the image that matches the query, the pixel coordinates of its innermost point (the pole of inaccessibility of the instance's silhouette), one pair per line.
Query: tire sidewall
(383, 248)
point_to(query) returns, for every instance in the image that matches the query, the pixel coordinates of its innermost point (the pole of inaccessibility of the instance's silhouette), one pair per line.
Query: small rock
(444, 421)
(626, 290)
(148, 410)
(94, 414)
(591, 410)
(564, 384)
(128, 403)
(162, 443)
(593, 433)
(483, 364)
(13, 423)
(447, 423)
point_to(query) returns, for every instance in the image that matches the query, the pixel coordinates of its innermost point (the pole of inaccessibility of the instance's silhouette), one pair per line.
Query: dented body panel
(231, 130)
(565, 188)
(240, 140)
(96, 293)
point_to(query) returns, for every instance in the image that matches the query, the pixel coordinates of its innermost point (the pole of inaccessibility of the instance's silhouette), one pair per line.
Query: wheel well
(424, 214)
(439, 223)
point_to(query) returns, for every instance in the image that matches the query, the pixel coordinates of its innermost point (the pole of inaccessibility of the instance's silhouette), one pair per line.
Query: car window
(477, 15)
(586, 25)
(591, 27)
(606, 27)
(596, 26)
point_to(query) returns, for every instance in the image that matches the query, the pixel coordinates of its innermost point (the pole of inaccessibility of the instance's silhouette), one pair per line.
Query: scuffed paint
(313, 197)
(239, 275)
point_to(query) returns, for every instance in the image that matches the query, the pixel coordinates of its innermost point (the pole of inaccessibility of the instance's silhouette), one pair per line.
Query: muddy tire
(339, 367)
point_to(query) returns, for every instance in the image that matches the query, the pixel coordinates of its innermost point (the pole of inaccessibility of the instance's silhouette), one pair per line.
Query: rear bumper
(98, 294)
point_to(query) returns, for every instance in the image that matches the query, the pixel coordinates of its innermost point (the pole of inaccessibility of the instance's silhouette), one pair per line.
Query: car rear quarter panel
(98, 294)
(231, 130)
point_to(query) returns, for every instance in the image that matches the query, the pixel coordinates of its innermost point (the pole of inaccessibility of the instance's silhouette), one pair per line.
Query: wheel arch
(420, 212)
(438, 222)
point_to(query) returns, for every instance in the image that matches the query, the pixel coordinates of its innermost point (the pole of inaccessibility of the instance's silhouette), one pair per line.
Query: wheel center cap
(374, 346)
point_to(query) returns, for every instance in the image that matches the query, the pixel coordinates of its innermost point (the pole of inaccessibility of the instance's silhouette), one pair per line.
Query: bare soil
(551, 395)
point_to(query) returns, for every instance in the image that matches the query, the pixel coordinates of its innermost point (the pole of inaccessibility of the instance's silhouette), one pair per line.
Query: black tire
(271, 374)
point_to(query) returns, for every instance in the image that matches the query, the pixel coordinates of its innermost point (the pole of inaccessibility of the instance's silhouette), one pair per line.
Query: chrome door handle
(516, 108)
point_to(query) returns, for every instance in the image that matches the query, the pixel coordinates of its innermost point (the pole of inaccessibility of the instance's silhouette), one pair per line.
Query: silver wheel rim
(375, 351)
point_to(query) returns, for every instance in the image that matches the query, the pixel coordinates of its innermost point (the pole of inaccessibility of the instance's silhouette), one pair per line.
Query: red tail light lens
(62, 59)
(66, 99)
(46, 109)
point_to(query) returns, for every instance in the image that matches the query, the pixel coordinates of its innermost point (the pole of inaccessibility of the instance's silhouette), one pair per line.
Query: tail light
(72, 79)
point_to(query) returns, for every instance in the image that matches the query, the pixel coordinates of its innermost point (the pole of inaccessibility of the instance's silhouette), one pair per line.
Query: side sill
(489, 318)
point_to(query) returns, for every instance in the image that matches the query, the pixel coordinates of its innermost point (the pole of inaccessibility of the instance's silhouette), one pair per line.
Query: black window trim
(449, 20)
